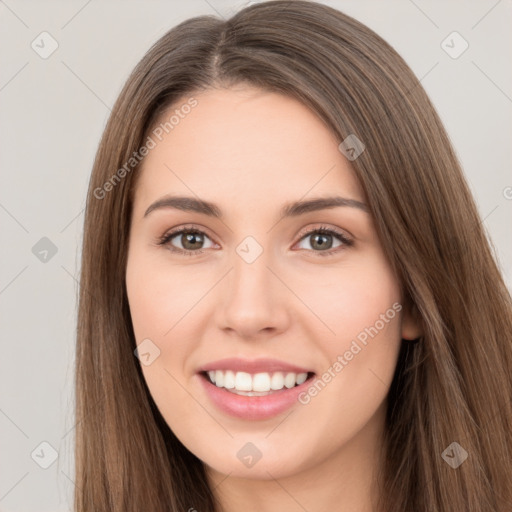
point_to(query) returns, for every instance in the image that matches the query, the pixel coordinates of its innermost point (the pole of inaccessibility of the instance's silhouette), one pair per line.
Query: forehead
(245, 145)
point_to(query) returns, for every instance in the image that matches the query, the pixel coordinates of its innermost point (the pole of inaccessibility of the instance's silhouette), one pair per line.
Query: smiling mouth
(257, 384)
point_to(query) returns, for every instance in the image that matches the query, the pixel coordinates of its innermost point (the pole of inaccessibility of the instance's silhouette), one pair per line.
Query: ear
(412, 328)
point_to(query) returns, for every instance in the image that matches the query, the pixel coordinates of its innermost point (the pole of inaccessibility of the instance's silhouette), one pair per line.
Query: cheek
(165, 303)
(160, 296)
(160, 301)
(362, 306)
(349, 299)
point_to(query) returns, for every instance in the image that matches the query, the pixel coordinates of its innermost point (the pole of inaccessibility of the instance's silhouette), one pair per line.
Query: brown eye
(191, 241)
(321, 240)
(186, 240)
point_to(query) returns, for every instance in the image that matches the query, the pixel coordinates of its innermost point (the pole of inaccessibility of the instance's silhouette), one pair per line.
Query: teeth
(243, 381)
(219, 379)
(289, 380)
(259, 382)
(277, 381)
(229, 379)
(301, 378)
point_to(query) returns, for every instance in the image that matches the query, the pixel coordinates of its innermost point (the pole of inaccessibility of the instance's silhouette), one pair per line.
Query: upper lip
(253, 366)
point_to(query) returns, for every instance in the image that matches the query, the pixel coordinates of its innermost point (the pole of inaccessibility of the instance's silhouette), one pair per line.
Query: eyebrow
(293, 209)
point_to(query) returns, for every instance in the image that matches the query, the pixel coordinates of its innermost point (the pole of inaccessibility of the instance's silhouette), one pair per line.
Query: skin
(250, 152)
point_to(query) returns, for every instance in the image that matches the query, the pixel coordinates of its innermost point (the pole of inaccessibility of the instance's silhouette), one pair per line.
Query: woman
(287, 297)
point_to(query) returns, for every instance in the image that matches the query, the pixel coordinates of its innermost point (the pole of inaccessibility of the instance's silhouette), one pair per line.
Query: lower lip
(253, 407)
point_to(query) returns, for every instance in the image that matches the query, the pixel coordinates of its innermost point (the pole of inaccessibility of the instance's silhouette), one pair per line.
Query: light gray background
(53, 112)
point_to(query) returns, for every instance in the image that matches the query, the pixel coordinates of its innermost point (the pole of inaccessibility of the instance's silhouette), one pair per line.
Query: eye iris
(319, 240)
(189, 239)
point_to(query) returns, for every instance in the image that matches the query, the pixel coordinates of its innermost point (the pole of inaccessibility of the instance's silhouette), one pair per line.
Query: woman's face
(254, 297)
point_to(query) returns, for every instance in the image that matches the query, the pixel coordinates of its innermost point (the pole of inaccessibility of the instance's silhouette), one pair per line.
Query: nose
(253, 300)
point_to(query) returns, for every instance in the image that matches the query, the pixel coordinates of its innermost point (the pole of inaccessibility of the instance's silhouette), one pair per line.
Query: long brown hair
(453, 385)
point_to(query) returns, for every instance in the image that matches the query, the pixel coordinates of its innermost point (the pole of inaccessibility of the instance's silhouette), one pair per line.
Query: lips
(253, 390)
(255, 366)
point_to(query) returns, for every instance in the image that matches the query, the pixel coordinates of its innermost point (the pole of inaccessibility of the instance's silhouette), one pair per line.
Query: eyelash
(347, 242)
